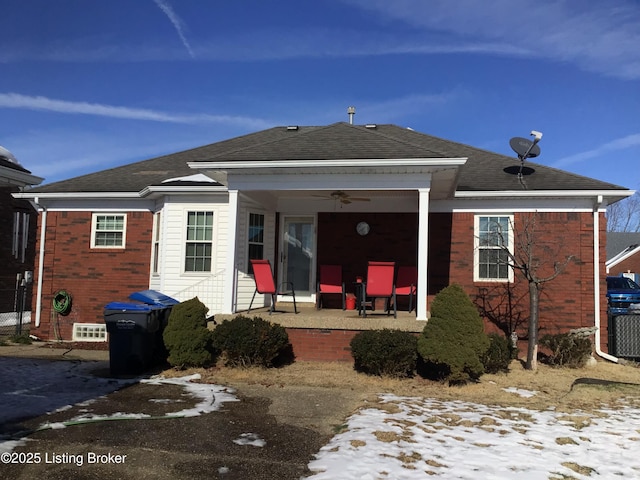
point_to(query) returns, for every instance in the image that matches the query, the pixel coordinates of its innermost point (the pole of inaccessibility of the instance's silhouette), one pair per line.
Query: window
(20, 235)
(156, 243)
(492, 235)
(108, 230)
(199, 242)
(256, 238)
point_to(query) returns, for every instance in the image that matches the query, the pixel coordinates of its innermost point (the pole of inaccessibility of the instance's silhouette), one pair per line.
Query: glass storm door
(297, 254)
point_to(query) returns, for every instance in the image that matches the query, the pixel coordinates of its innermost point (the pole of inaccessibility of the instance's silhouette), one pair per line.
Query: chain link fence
(15, 311)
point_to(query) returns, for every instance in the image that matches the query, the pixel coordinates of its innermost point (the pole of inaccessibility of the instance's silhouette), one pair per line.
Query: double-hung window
(199, 246)
(256, 238)
(108, 230)
(493, 243)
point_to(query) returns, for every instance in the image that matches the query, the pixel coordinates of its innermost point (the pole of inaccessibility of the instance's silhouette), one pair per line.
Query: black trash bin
(163, 304)
(132, 329)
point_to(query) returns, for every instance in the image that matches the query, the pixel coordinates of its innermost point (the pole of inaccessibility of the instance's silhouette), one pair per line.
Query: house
(17, 237)
(622, 254)
(188, 223)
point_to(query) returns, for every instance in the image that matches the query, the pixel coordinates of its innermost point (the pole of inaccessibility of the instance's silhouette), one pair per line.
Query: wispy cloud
(596, 36)
(177, 23)
(624, 143)
(18, 101)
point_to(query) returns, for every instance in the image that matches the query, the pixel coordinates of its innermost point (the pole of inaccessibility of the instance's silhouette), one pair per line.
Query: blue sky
(89, 85)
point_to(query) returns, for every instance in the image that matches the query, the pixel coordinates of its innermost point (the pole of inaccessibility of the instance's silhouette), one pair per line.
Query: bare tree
(531, 258)
(624, 216)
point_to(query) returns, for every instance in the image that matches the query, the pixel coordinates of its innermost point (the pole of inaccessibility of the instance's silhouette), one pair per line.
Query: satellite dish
(519, 170)
(524, 147)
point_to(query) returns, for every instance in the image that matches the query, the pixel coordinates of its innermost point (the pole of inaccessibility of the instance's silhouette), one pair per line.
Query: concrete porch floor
(331, 319)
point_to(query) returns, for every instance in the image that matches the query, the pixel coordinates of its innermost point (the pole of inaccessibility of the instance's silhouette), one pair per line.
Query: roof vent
(351, 111)
(292, 127)
(371, 125)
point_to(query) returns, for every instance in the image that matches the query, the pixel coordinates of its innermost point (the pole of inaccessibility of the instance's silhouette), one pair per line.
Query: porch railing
(209, 291)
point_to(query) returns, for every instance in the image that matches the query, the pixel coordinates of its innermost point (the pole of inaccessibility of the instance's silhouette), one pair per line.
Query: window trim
(94, 231)
(249, 243)
(477, 248)
(155, 248)
(187, 241)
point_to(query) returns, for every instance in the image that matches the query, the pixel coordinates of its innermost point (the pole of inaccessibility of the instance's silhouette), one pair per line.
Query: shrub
(571, 349)
(385, 352)
(251, 341)
(453, 340)
(187, 337)
(499, 354)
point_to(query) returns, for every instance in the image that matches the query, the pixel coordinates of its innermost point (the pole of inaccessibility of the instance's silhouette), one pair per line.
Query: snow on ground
(413, 438)
(397, 438)
(30, 388)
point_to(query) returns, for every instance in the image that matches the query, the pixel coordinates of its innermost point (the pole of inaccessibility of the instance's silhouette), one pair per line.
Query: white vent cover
(89, 332)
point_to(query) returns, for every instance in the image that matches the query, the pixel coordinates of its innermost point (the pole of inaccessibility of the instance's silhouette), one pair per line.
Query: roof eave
(609, 194)
(17, 177)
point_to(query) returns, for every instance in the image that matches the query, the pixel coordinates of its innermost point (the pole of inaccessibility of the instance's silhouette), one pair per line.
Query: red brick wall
(631, 264)
(566, 302)
(393, 237)
(311, 344)
(93, 277)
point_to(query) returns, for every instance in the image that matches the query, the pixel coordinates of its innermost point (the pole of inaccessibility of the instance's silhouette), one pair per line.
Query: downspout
(596, 280)
(43, 229)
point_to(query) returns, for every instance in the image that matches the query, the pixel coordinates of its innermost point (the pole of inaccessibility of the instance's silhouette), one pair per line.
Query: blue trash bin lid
(153, 297)
(128, 307)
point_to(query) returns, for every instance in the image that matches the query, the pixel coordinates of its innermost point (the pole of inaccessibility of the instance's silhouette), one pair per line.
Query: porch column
(423, 247)
(229, 288)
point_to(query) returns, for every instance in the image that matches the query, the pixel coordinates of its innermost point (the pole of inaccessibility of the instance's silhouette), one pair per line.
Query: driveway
(100, 427)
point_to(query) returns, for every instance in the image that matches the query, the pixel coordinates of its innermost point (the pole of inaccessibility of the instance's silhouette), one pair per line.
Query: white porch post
(423, 247)
(229, 289)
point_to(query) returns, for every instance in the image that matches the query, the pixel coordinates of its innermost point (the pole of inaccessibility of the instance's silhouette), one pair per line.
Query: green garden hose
(62, 302)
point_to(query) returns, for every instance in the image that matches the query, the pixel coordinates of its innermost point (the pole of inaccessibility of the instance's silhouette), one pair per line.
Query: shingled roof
(483, 171)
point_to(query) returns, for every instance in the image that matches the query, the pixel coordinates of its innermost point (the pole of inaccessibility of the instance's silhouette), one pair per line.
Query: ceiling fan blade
(345, 201)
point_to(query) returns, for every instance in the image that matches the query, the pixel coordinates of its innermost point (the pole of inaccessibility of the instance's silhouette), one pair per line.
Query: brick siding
(93, 277)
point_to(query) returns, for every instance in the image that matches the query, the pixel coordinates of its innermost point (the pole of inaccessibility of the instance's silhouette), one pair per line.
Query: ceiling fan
(343, 197)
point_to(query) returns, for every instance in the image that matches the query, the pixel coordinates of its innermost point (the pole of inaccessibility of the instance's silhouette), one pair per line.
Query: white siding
(245, 284)
(173, 280)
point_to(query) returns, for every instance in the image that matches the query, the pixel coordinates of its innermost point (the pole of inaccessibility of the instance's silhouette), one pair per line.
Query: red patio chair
(265, 284)
(406, 284)
(330, 282)
(379, 284)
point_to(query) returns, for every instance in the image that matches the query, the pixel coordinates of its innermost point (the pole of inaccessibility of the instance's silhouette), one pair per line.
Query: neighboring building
(187, 224)
(622, 254)
(18, 234)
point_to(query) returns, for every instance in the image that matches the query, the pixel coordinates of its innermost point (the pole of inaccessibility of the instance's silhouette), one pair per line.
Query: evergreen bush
(186, 336)
(248, 341)
(499, 354)
(385, 352)
(453, 340)
(571, 349)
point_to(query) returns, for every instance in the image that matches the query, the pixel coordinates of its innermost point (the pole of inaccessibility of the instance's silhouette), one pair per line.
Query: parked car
(622, 295)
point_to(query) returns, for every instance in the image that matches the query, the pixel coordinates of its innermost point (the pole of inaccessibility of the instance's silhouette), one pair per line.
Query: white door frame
(311, 295)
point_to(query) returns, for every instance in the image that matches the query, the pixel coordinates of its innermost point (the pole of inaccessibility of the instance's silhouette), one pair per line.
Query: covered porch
(392, 197)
